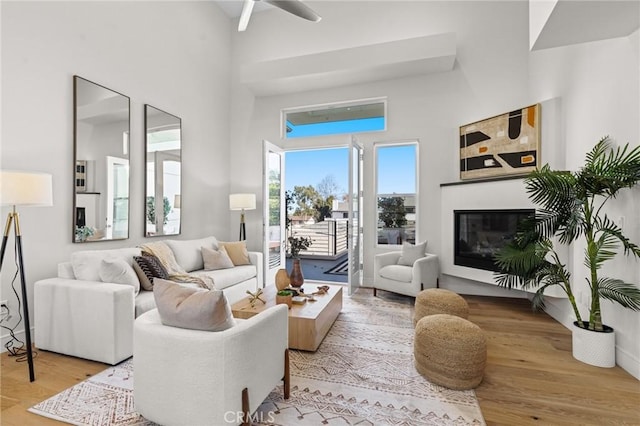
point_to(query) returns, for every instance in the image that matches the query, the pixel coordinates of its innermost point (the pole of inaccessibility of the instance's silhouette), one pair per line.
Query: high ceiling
(233, 8)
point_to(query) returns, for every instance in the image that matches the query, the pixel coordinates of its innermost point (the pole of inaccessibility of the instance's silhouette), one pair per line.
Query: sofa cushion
(144, 302)
(237, 251)
(397, 273)
(216, 259)
(119, 271)
(224, 278)
(411, 253)
(187, 252)
(86, 263)
(148, 268)
(195, 309)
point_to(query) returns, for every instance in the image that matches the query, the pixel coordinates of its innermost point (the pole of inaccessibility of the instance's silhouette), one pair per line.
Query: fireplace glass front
(479, 234)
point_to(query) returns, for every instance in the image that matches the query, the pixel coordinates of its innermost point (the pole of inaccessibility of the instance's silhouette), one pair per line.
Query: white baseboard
(19, 334)
(628, 362)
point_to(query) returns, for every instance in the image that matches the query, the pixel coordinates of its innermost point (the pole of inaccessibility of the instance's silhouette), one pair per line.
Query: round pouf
(450, 351)
(439, 301)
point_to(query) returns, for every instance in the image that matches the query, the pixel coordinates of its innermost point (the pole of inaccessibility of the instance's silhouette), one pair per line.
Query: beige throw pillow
(237, 251)
(192, 308)
(411, 253)
(215, 259)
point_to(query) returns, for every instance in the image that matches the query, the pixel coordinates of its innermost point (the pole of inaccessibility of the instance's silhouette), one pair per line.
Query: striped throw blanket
(176, 272)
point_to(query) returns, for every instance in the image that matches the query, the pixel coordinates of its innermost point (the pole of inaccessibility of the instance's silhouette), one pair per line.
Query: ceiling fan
(295, 7)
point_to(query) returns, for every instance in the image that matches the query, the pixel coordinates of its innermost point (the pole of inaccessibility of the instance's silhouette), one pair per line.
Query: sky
(310, 167)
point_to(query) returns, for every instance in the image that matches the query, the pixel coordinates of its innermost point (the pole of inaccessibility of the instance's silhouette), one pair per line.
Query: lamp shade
(20, 188)
(242, 201)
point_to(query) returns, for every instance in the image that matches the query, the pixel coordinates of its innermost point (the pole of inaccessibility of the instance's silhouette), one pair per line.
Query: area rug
(362, 374)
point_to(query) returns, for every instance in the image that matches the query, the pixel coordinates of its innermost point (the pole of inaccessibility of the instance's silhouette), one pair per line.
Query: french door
(274, 222)
(354, 231)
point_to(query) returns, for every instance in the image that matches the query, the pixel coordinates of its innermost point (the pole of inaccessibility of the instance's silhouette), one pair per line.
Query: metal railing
(328, 238)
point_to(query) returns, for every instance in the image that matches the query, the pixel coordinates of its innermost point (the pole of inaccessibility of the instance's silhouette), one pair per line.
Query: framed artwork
(81, 176)
(504, 145)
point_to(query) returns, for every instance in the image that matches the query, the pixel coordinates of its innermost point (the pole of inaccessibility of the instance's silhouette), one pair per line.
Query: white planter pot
(594, 347)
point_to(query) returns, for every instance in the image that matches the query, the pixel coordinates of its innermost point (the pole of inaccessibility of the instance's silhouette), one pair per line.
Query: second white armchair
(404, 279)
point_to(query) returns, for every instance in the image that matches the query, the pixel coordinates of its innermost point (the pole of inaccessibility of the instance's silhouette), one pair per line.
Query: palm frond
(626, 294)
(553, 190)
(608, 170)
(607, 226)
(522, 261)
(537, 302)
(600, 250)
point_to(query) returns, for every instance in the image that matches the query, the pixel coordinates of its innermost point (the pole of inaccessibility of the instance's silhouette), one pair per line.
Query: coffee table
(309, 323)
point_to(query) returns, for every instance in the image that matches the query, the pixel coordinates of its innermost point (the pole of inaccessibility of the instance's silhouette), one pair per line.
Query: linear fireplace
(479, 234)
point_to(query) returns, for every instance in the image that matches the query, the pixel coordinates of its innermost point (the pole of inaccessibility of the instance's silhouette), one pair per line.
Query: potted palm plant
(571, 208)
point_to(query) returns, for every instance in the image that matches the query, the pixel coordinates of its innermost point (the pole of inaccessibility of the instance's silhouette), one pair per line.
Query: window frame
(376, 155)
(325, 106)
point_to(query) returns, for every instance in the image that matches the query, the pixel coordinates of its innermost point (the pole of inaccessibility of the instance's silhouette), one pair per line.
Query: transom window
(340, 118)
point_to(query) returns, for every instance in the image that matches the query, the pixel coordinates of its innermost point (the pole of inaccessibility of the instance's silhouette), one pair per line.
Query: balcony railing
(328, 238)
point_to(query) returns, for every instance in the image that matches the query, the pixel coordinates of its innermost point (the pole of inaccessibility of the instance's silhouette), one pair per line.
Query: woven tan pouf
(450, 351)
(439, 301)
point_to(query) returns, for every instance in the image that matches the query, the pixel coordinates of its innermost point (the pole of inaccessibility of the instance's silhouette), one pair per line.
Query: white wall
(172, 55)
(490, 77)
(596, 85)
(599, 85)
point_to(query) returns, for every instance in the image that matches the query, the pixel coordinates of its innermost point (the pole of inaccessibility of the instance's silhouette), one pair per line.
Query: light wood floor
(531, 377)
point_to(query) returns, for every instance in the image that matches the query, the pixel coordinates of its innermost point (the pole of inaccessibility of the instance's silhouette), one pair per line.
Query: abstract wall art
(504, 145)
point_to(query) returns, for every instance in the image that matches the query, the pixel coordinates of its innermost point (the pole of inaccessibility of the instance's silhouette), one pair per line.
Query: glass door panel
(355, 215)
(274, 212)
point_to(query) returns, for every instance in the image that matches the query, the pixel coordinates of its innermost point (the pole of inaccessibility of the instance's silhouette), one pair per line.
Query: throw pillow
(86, 263)
(411, 253)
(192, 308)
(118, 271)
(216, 259)
(148, 268)
(187, 252)
(237, 251)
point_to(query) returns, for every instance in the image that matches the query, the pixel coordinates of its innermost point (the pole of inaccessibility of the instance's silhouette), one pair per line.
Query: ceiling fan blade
(296, 7)
(247, 8)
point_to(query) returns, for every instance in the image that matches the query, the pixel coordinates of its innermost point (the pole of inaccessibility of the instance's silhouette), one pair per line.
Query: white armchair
(193, 377)
(407, 280)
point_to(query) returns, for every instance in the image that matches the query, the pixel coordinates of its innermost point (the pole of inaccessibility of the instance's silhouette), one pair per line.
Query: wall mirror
(101, 161)
(163, 199)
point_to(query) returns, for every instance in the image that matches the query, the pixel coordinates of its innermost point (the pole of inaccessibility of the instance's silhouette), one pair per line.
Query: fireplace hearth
(479, 234)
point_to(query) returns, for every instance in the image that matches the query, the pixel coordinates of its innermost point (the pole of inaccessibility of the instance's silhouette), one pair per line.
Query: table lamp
(20, 188)
(242, 202)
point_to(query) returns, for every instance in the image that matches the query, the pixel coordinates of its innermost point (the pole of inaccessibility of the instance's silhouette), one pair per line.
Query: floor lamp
(19, 188)
(242, 202)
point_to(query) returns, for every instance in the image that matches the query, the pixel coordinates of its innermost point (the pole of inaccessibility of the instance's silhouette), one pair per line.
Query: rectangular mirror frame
(165, 188)
(92, 218)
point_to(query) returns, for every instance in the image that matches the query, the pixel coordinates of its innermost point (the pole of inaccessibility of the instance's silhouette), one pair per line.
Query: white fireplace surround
(498, 195)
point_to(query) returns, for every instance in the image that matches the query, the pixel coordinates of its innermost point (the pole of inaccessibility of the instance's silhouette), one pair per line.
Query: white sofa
(94, 320)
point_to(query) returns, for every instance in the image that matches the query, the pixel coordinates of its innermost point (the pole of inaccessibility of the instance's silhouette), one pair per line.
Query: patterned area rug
(362, 374)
